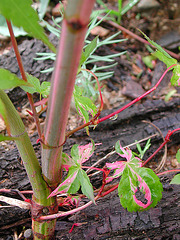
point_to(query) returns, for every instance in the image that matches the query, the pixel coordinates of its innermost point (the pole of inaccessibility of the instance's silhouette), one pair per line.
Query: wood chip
(100, 31)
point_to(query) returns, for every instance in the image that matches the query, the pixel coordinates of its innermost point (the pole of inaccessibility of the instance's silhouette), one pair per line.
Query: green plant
(121, 10)
(47, 180)
(84, 78)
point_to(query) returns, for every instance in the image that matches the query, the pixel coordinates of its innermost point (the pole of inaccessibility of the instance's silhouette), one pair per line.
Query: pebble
(28, 234)
(145, 5)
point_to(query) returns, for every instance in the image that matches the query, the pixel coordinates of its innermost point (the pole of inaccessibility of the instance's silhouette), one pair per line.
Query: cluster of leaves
(76, 177)
(84, 79)
(134, 178)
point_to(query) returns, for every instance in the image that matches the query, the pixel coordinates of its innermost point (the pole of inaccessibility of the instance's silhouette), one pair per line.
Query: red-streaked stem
(162, 145)
(137, 99)
(110, 190)
(168, 171)
(23, 74)
(137, 37)
(74, 27)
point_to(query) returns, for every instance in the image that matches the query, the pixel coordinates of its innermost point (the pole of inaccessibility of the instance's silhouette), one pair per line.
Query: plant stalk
(30, 161)
(76, 19)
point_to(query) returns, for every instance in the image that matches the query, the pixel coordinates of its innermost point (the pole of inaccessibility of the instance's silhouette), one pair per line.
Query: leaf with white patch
(70, 185)
(139, 188)
(119, 166)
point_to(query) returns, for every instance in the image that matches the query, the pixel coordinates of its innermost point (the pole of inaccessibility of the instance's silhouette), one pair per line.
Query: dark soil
(107, 219)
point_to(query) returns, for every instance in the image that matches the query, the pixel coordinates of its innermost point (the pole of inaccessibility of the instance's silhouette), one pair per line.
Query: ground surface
(108, 220)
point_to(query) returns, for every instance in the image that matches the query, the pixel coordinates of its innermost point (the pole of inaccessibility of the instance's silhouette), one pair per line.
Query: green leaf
(86, 186)
(3, 115)
(9, 80)
(76, 178)
(142, 152)
(45, 89)
(142, 180)
(35, 84)
(90, 48)
(82, 153)
(148, 61)
(118, 148)
(6, 138)
(176, 179)
(23, 15)
(70, 185)
(175, 80)
(42, 89)
(162, 57)
(156, 45)
(75, 152)
(75, 184)
(178, 156)
(84, 105)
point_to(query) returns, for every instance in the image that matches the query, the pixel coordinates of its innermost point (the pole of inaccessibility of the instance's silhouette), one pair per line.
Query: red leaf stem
(110, 190)
(168, 171)
(99, 88)
(23, 74)
(137, 99)
(162, 145)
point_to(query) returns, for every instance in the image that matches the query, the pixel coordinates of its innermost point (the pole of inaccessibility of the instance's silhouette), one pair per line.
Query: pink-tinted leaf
(122, 152)
(142, 187)
(119, 168)
(85, 152)
(67, 162)
(139, 188)
(120, 165)
(66, 184)
(81, 154)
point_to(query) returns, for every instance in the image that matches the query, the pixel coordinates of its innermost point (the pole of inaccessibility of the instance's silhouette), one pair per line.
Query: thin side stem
(23, 74)
(99, 88)
(168, 171)
(137, 99)
(136, 36)
(162, 145)
(63, 214)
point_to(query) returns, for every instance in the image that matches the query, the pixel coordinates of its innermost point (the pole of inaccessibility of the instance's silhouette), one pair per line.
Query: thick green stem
(70, 48)
(41, 205)
(33, 169)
